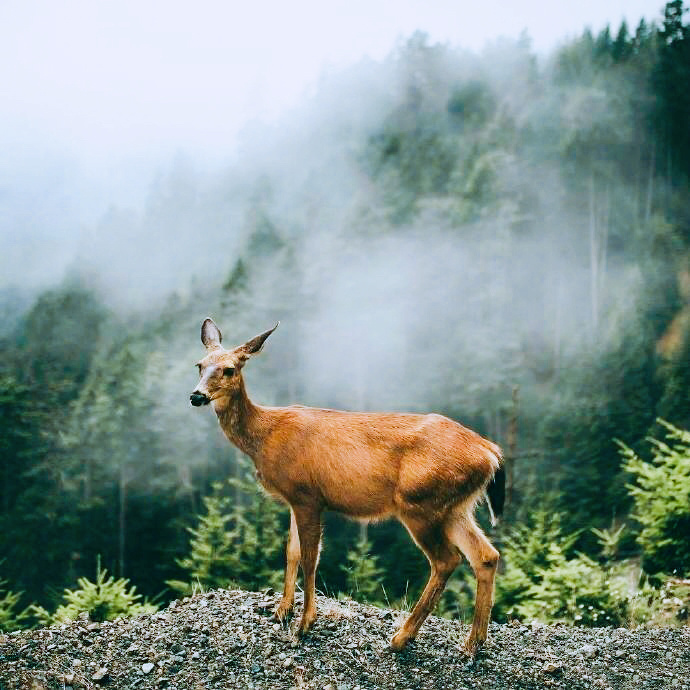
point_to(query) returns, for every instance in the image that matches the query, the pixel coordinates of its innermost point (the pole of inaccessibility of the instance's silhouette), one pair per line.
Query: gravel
(228, 639)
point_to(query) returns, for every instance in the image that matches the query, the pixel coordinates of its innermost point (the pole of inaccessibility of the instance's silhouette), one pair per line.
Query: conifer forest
(497, 237)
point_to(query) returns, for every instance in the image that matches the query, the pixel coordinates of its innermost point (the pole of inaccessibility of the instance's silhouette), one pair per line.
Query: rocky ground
(228, 639)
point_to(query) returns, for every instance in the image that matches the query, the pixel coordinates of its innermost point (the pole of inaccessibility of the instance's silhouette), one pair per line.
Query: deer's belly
(359, 494)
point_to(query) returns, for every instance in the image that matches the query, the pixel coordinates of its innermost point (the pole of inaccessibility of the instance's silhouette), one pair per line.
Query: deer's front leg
(309, 529)
(292, 554)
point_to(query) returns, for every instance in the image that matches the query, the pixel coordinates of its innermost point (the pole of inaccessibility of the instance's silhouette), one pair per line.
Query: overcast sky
(114, 77)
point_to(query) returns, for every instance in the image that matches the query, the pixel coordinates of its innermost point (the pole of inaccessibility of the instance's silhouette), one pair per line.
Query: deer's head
(220, 371)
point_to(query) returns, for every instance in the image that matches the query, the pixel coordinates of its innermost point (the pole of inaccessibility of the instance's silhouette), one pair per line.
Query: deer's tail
(496, 494)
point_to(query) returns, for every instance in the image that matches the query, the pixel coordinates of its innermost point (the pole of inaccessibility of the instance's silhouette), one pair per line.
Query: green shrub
(212, 562)
(660, 602)
(542, 580)
(363, 575)
(10, 618)
(577, 591)
(104, 599)
(661, 495)
(237, 542)
(523, 556)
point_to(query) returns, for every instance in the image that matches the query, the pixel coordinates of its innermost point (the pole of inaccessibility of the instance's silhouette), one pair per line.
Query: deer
(426, 470)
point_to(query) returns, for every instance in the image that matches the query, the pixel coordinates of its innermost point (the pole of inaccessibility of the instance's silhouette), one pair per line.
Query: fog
(449, 208)
(164, 194)
(98, 100)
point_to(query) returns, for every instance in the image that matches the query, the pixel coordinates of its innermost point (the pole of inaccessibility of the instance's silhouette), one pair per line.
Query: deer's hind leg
(443, 557)
(292, 556)
(464, 532)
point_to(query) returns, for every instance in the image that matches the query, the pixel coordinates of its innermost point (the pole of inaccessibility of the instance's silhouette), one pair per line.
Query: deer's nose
(198, 399)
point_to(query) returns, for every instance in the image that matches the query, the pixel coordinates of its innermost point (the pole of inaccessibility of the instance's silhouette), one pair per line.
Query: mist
(98, 111)
(493, 229)
(383, 298)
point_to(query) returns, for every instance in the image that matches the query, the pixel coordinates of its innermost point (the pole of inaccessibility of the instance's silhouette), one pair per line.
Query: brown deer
(426, 470)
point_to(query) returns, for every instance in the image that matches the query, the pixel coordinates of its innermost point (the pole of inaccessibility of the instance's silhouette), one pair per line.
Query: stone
(552, 667)
(100, 675)
(589, 651)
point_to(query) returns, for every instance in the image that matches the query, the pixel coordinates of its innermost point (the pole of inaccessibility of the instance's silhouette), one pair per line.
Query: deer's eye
(228, 371)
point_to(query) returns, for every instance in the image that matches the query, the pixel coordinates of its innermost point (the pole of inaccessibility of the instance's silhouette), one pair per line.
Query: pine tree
(104, 599)
(364, 577)
(237, 542)
(543, 579)
(10, 618)
(212, 561)
(661, 494)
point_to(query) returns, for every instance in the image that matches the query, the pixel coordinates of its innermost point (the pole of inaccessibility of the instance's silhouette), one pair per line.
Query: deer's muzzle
(198, 399)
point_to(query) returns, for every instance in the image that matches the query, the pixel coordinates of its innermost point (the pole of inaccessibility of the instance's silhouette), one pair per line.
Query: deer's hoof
(304, 625)
(399, 641)
(283, 612)
(472, 645)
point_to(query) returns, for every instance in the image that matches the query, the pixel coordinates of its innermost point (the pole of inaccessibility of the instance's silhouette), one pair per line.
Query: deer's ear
(211, 336)
(251, 347)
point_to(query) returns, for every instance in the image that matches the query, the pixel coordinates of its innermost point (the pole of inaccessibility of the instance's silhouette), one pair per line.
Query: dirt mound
(228, 639)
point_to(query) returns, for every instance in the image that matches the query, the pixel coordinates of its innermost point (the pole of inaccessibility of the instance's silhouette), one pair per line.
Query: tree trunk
(363, 531)
(603, 246)
(511, 444)
(650, 185)
(558, 328)
(122, 521)
(88, 479)
(593, 259)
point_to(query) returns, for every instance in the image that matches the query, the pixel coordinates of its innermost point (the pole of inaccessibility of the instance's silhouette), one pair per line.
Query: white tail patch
(492, 518)
(494, 460)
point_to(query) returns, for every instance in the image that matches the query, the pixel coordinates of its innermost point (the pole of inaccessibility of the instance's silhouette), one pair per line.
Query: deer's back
(371, 465)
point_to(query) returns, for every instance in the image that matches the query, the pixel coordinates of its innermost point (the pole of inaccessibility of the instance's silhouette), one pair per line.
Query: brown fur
(425, 470)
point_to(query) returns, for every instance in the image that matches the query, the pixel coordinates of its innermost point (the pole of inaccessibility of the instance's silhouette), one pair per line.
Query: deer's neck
(241, 420)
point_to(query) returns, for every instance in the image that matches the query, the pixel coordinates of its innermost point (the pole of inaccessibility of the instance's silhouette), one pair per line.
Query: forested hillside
(501, 239)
